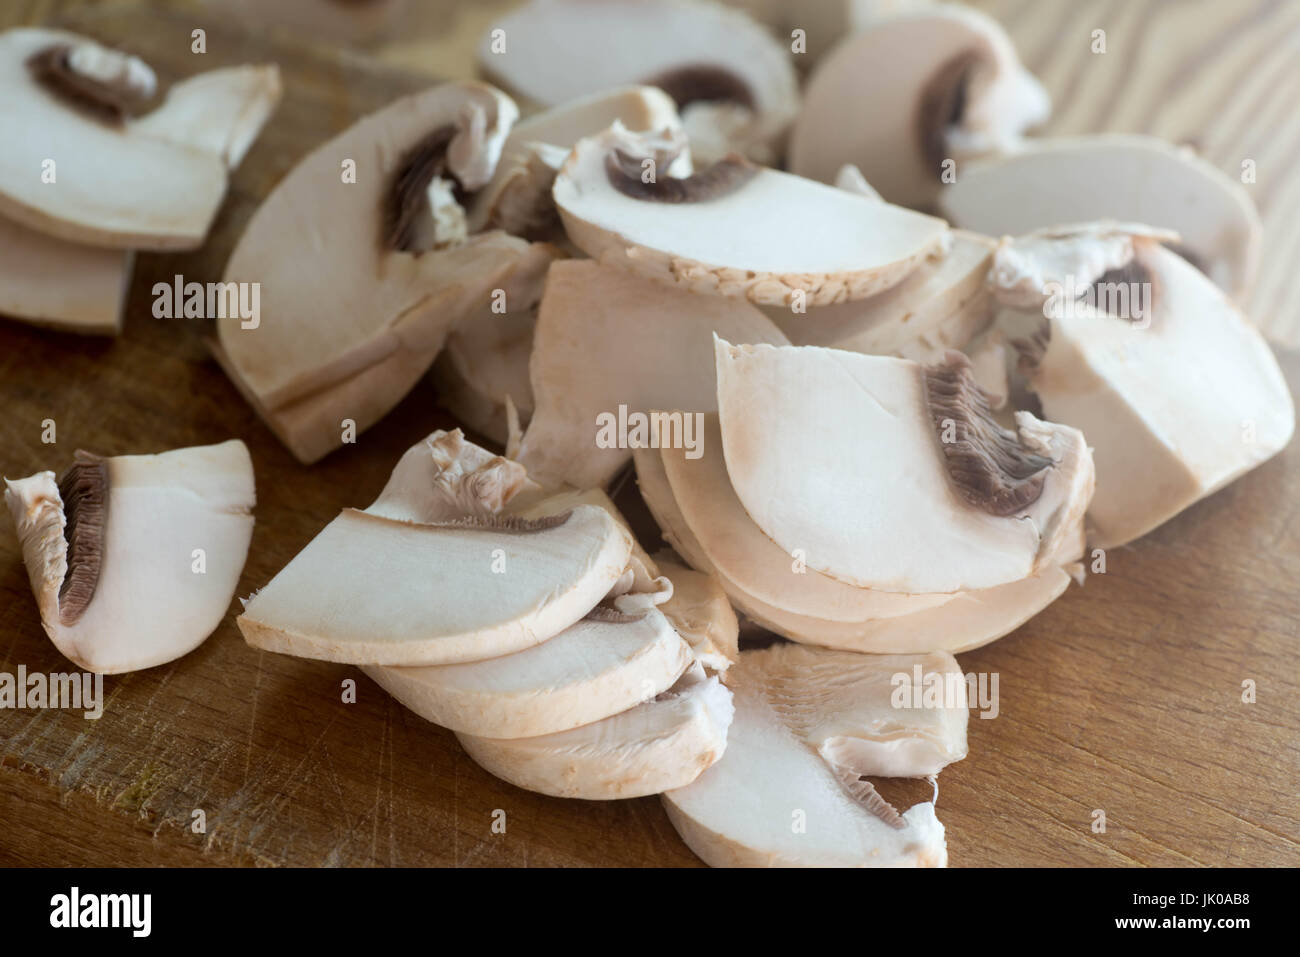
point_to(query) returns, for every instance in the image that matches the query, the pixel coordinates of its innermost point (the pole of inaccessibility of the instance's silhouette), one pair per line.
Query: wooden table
(1124, 696)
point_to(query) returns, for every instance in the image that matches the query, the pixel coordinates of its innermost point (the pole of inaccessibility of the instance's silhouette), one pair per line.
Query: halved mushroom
(942, 305)
(134, 559)
(910, 92)
(611, 346)
(732, 81)
(152, 182)
(67, 286)
(662, 744)
(1176, 391)
(701, 614)
(433, 574)
(348, 338)
(711, 231)
(600, 666)
(1125, 177)
(518, 199)
(891, 475)
(809, 724)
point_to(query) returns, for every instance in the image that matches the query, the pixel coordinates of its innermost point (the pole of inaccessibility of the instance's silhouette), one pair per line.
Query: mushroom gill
(703, 83)
(84, 490)
(727, 175)
(989, 465)
(407, 196)
(942, 105)
(52, 67)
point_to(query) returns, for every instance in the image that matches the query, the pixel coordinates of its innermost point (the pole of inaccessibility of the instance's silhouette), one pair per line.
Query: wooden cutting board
(1125, 696)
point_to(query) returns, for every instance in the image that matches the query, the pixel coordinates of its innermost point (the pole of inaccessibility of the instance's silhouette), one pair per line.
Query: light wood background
(1125, 696)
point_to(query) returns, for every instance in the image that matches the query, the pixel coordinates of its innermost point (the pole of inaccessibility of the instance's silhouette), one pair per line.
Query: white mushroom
(711, 232)
(890, 475)
(809, 724)
(600, 666)
(662, 744)
(910, 92)
(732, 81)
(456, 580)
(1176, 391)
(1116, 176)
(153, 182)
(349, 337)
(701, 614)
(611, 346)
(134, 559)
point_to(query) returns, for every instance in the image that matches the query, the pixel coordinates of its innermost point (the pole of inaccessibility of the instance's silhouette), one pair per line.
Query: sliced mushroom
(518, 199)
(732, 81)
(348, 338)
(891, 475)
(433, 574)
(66, 286)
(1134, 178)
(701, 614)
(942, 305)
(134, 559)
(610, 345)
(123, 182)
(1177, 393)
(789, 791)
(850, 179)
(654, 747)
(910, 92)
(711, 232)
(591, 670)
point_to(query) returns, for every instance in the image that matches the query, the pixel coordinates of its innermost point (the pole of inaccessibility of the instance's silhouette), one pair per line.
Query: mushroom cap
(348, 338)
(662, 744)
(67, 286)
(836, 455)
(606, 338)
(426, 594)
(895, 79)
(152, 183)
(1174, 407)
(148, 605)
(738, 813)
(560, 50)
(589, 671)
(831, 245)
(1125, 177)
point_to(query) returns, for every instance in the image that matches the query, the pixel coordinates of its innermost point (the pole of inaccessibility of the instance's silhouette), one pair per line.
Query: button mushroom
(134, 558)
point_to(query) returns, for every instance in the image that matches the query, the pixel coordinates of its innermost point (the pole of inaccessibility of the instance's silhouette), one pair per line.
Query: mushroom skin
(111, 551)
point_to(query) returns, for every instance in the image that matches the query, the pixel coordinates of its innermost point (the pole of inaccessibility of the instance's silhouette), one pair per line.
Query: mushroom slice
(518, 199)
(609, 348)
(1178, 396)
(742, 554)
(955, 89)
(730, 78)
(67, 286)
(942, 305)
(1126, 177)
(701, 614)
(891, 475)
(711, 232)
(134, 559)
(593, 669)
(662, 744)
(149, 183)
(348, 339)
(788, 791)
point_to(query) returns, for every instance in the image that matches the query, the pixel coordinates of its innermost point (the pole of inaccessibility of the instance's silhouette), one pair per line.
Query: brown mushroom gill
(865, 793)
(50, 68)
(610, 615)
(1133, 273)
(84, 490)
(514, 524)
(988, 465)
(703, 83)
(406, 198)
(625, 173)
(942, 106)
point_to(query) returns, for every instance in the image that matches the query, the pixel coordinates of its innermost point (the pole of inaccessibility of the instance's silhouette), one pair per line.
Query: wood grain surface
(1124, 696)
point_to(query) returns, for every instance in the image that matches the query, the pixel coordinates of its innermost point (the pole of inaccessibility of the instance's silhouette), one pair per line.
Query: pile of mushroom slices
(134, 559)
(88, 176)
